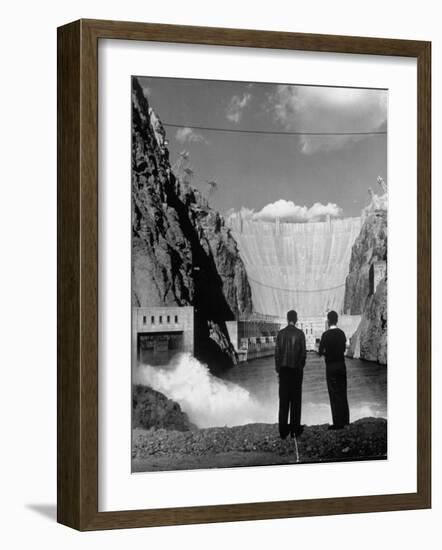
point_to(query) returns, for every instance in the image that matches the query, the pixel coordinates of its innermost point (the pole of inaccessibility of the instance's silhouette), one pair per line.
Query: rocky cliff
(182, 252)
(369, 342)
(370, 339)
(370, 246)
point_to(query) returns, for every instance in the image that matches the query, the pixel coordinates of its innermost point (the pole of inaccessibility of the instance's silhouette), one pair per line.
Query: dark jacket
(333, 344)
(290, 348)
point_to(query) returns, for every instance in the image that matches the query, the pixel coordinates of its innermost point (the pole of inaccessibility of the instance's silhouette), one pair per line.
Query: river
(248, 392)
(366, 381)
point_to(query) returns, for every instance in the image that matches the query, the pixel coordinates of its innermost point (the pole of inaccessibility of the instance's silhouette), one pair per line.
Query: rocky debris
(370, 246)
(153, 410)
(365, 438)
(182, 251)
(369, 342)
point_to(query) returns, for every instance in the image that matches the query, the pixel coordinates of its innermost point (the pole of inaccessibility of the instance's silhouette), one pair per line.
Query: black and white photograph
(221, 256)
(259, 273)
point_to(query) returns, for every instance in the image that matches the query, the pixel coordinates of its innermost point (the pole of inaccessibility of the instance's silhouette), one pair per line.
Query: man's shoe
(334, 427)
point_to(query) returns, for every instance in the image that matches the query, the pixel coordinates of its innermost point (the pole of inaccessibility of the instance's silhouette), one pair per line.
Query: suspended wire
(295, 290)
(276, 133)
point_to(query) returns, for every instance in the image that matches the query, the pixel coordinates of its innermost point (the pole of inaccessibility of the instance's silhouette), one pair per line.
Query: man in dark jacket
(332, 345)
(290, 354)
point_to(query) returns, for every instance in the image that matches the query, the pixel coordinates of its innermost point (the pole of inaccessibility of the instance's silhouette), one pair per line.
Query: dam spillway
(300, 266)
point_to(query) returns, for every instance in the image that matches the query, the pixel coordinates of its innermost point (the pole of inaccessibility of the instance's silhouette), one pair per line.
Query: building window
(161, 319)
(152, 320)
(176, 318)
(168, 318)
(144, 319)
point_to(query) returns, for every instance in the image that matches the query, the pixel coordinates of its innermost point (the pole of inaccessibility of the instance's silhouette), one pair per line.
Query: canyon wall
(370, 339)
(369, 342)
(182, 251)
(370, 246)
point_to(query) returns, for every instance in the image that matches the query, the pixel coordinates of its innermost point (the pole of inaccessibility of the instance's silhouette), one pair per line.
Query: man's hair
(292, 316)
(332, 317)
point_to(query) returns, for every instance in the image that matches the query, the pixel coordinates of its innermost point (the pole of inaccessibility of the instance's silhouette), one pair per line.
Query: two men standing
(290, 357)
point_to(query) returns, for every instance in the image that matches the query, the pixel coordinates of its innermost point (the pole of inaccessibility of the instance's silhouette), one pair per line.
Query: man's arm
(344, 342)
(278, 353)
(321, 349)
(303, 349)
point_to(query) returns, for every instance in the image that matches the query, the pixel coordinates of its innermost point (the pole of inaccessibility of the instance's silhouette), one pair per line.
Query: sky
(293, 177)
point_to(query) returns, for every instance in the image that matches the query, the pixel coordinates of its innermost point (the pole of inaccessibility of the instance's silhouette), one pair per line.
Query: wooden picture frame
(77, 461)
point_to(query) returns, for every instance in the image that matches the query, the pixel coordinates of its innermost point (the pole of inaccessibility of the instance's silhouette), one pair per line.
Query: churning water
(249, 392)
(208, 400)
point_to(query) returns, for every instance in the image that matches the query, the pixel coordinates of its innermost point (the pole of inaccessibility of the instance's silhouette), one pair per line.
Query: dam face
(301, 266)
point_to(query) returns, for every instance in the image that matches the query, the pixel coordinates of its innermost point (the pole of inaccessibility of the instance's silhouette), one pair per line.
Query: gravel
(365, 438)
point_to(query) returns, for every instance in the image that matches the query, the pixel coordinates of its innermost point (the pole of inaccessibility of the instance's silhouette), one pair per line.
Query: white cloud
(323, 109)
(290, 212)
(189, 135)
(236, 106)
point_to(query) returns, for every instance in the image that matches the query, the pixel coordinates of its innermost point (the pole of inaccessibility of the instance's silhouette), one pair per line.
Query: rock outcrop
(153, 410)
(370, 339)
(182, 251)
(369, 342)
(370, 246)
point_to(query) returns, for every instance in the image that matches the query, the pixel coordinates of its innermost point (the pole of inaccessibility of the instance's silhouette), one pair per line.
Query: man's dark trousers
(290, 400)
(336, 374)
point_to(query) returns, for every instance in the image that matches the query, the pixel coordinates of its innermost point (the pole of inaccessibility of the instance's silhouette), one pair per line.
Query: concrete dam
(300, 266)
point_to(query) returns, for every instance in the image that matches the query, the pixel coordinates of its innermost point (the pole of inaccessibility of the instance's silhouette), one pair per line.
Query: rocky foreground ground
(255, 444)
